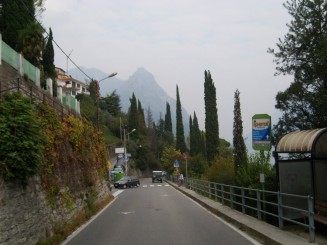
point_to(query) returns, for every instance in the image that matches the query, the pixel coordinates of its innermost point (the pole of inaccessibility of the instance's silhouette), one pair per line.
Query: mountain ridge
(145, 88)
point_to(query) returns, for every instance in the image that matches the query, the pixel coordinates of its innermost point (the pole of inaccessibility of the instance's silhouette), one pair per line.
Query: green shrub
(21, 138)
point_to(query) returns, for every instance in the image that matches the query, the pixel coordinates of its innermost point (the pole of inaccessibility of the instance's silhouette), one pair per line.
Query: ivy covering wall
(69, 154)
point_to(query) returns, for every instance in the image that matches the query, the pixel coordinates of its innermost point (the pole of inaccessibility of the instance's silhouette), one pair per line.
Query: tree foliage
(211, 119)
(197, 166)
(239, 152)
(133, 113)
(21, 30)
(221, 170)
(180, 138)
(303, 54)
(48, 62)
(111, 104)
(249, 175)
(21, 141)
(169, 155)
(195, 136)
(168, 121)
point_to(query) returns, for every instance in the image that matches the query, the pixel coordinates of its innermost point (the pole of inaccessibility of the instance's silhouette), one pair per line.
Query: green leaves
(21, 138)
(302, 53)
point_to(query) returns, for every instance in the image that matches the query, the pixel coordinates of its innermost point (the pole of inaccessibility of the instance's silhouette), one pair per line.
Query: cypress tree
(140, 118)
(180, 139)
(168, 121)
(48, 62)
(197, 147)
(211, 119)
(191, 136)
(133, 113)
(239, 152)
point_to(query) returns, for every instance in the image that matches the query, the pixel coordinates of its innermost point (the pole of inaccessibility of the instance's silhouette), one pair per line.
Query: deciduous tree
(302, 53)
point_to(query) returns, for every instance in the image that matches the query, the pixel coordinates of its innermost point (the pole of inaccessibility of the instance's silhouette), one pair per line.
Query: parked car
(127, 182)
(157, 176)
(120, 164)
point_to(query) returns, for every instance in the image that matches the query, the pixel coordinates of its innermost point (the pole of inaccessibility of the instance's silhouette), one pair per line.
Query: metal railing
(273, 207)
(29, 89)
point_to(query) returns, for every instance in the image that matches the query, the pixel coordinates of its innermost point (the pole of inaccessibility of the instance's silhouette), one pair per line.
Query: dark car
(127, 181)
(157, 176)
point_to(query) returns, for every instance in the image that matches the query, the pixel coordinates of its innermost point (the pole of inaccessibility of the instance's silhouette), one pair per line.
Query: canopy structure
(301, 163)
(306, 141)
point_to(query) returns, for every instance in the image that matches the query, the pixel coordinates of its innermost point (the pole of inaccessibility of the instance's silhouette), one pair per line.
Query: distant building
(70, 85)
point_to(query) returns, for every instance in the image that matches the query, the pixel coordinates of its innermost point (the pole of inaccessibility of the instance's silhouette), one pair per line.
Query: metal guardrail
(32, 91)
(258, 203)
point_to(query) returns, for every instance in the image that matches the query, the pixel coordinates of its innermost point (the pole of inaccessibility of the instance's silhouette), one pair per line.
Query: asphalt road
(156, 214)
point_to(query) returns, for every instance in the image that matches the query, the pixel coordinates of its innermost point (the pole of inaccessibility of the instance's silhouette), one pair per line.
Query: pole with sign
(261, 141)
(261, 132)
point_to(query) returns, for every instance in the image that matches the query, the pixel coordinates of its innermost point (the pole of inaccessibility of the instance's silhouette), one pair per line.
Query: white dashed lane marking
(144, 186)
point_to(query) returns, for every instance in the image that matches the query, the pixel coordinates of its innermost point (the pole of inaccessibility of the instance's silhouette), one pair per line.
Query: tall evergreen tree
(140, 118)
(48, 62)
(133, 113)
(15, 16)
(239, 152)
(180, 138)
(191, 136)
(303, 53)
(149, 119)
(211, 119)
(20, 30)
(168, 122)
(197, 144)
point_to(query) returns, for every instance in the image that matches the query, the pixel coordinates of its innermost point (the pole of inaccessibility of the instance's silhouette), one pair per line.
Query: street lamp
(130, 133)
(125, 152)
(97, 84)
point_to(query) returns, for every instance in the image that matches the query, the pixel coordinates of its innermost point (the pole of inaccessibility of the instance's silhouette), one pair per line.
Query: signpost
(176, 163)
(261, 141)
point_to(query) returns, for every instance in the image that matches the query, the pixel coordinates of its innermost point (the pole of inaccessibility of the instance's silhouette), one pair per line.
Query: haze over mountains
(143, 84)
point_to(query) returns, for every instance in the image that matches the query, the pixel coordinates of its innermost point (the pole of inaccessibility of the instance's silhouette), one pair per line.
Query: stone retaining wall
(27, 217)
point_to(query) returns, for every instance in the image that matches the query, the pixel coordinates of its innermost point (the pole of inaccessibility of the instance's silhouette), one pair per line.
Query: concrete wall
(27, 217)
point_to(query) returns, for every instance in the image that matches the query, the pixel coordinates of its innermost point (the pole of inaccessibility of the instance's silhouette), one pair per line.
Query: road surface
(156, 214)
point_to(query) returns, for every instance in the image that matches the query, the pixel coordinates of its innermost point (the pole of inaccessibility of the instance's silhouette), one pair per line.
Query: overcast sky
(176, 41)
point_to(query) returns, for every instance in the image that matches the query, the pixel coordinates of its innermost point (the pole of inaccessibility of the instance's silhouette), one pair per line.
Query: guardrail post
(259, 205)
(216, 195)
(222, 194)
(280, 211)
(311, 220)
(209, 184)
(231, 197)
(243, 200)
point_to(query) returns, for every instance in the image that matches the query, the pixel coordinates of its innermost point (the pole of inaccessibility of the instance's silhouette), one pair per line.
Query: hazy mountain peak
(143, 84)
(143, 75)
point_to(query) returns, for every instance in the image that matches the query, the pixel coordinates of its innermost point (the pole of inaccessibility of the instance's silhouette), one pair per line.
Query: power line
(68, 58)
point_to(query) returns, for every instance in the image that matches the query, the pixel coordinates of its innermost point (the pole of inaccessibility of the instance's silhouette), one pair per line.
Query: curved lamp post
(97, 84)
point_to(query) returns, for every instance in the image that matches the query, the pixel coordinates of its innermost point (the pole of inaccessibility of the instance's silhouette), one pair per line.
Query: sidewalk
(261, 231)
